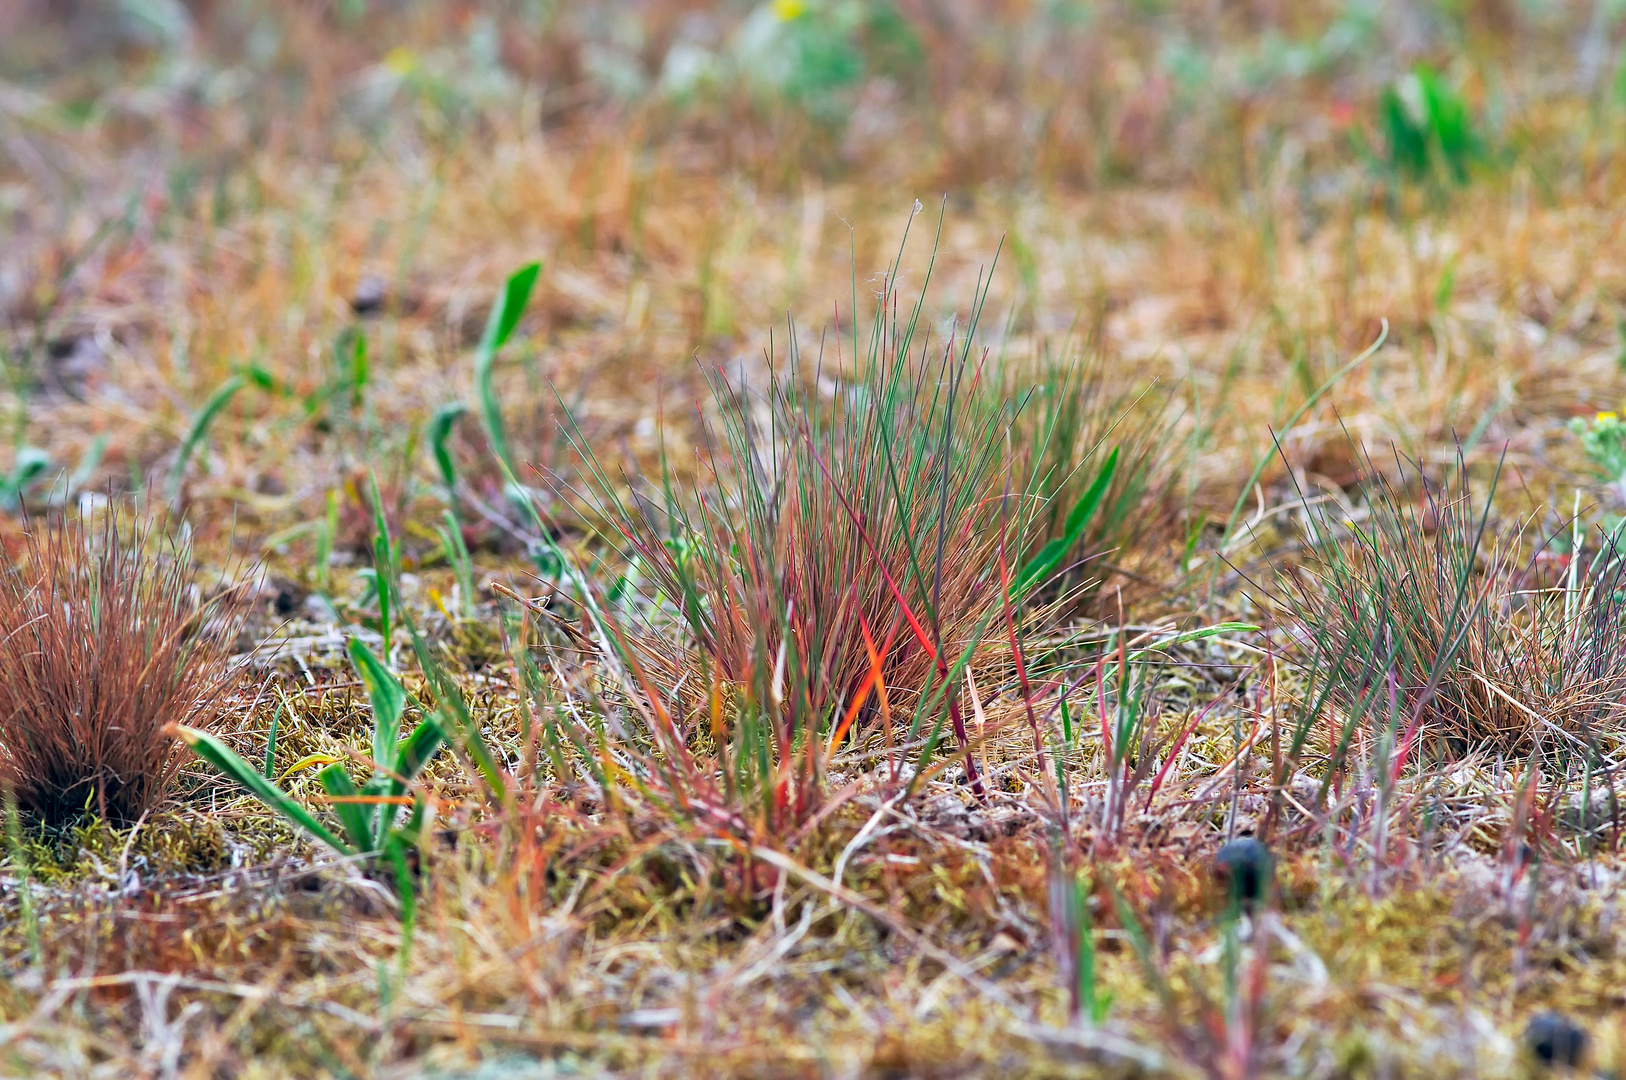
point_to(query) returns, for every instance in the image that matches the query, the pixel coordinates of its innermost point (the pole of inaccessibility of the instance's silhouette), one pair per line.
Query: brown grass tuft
(106, 643)
(1458, 635)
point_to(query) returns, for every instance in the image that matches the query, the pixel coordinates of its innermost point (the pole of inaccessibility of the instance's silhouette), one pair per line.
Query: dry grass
(1458, 636)
(683, 872)
(107, 642)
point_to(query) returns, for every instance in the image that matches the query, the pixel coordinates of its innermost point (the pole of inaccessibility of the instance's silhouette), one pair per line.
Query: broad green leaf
(357, 818)
(418, 748)
(225, 759)
(1080, 517)
(505, 315)
(410, 759)
(1044, 563)
(1048, 556)
(388, 698)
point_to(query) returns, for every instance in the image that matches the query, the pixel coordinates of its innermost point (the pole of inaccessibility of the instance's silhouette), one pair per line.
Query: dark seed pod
(369, 297)
(1556, 1040)
(1247, 868)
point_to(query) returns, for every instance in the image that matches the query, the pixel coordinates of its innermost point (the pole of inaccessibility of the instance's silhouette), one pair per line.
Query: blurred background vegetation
(948, 93)
(1232, 195)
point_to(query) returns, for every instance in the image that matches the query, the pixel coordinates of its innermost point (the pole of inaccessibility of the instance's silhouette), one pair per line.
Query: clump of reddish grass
(842, 566)
(849, 557)
(106, 642)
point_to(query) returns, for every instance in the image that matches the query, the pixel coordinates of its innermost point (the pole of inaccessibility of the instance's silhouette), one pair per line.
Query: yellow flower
(1607, 418)
(400, 61)
(789, 10)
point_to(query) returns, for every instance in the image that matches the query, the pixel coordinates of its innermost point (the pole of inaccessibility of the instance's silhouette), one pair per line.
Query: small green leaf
(505, 315)
(388, 699)
(261, 377)
(515, 295)
(30, 465)
(440, 431)
(413, 755)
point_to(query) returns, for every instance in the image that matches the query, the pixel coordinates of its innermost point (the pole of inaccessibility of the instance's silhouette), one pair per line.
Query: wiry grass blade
(104, 644)
(1438, 633)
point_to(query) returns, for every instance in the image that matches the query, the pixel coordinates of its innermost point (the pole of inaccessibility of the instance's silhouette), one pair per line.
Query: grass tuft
(106, 643)
(1443, 635)
(838, 568)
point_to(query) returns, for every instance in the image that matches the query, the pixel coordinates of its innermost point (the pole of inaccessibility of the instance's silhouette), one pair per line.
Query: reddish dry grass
(107, 643)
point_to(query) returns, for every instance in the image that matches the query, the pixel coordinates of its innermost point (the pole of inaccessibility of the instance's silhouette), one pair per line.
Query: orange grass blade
(371, 800)
(847, 719)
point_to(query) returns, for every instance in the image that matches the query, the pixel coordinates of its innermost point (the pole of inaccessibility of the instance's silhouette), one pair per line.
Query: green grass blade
(414, 753)
(359, 372)
(406, 891)
(383, 563)
(1198, 634)
(1043, 564)
(198, 430)
(225, 759)
(271, 745)
(424, 742)
(451, 717)
(440, 431)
